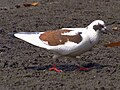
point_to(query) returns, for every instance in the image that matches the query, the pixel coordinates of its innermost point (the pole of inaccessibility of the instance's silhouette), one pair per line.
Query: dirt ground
(25, 67)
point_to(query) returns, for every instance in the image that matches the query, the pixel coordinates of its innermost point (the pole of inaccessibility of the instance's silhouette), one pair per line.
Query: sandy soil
(25, 67)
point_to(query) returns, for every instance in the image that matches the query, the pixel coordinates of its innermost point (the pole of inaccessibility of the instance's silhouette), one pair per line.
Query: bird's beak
(104, 30)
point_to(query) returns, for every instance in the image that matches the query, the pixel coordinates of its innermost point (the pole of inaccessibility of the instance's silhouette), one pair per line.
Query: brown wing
(55, 37)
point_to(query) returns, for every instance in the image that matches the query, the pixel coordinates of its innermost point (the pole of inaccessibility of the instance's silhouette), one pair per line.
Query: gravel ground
(25, 67)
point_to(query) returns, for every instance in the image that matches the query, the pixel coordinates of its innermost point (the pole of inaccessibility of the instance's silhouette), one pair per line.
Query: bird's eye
(102, 26)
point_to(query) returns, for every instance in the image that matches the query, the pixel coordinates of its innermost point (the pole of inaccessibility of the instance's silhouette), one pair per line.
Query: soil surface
(25, 67)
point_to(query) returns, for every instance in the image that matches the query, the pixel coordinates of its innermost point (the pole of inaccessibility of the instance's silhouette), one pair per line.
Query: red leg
(84, 69)
(54, 68)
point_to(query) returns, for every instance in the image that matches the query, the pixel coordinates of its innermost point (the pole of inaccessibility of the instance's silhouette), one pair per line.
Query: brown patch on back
(55, 38)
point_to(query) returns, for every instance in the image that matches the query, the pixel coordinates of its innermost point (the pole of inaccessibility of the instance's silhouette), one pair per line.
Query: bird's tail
(32, 38)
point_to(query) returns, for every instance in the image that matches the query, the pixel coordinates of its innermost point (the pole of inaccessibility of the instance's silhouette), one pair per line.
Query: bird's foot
(84, 69)
(54, 68)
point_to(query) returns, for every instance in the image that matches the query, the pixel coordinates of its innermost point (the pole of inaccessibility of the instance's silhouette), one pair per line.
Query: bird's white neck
(93, 35)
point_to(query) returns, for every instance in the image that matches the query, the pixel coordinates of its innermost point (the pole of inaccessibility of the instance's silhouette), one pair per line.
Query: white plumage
(90, 36)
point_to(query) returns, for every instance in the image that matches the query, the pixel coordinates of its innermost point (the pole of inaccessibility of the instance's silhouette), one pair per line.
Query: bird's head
(98, 25)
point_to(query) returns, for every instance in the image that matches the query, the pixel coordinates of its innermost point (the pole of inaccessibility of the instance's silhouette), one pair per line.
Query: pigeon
(70, 42)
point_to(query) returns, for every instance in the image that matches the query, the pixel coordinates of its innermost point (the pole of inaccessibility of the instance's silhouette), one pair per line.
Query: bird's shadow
(69, 67)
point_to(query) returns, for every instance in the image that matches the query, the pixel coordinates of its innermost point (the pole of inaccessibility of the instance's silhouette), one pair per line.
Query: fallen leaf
(17, 6)
(3, 8)
(27, 4)
(31, 4)
(113, 44)
(35, 3)
(115, 28)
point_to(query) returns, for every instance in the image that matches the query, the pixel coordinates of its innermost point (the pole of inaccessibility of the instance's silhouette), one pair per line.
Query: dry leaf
(115, 28)
(31, 4)
(26, 4)
(35, 3)
(113, 44)
(17, 6)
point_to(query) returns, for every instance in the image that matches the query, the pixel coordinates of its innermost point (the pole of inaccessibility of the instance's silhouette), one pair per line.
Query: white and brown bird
(66, 41)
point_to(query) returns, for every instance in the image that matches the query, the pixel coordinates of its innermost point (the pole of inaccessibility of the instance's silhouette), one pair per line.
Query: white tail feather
(32, 38)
